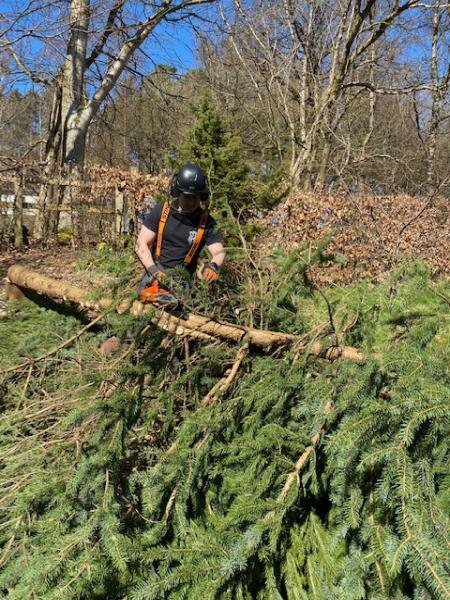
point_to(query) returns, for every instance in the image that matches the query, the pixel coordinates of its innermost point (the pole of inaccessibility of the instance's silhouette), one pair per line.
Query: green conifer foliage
(303, 479)
(212, 145)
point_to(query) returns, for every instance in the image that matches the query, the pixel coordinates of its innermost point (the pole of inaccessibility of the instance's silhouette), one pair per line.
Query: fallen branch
(31, 361)
(193, 325)
(304, 457)
(217, 390)
(223, 384)
(302, 461)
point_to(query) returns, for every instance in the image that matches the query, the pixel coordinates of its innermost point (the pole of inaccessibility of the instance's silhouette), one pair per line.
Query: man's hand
(159, 275)
(209, 272)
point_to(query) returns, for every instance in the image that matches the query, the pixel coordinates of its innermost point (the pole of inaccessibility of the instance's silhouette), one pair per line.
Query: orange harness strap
(161, 225)
(198, 236)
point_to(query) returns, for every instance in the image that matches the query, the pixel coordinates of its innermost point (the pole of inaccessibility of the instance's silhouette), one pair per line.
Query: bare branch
(108, 30)
(31, 74)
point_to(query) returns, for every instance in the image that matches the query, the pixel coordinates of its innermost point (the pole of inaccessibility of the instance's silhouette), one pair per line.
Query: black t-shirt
(178, 235)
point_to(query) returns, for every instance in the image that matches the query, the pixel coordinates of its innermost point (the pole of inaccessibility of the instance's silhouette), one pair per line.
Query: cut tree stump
(193, 325)
(13, 292)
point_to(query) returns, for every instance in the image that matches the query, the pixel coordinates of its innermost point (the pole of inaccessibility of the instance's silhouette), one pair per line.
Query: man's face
(189, 202)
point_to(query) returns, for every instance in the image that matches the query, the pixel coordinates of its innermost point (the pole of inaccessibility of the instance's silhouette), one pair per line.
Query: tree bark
(73, 84)
(191, 324)
(435, 101)
(18, 214)
(44, 223)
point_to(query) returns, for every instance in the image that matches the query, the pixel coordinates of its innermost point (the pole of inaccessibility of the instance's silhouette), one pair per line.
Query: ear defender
(173, 185)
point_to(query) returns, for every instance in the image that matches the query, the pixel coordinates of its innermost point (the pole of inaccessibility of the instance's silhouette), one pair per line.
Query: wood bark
(18, 213)
(73, 108)
(439, 90)
(190, 324)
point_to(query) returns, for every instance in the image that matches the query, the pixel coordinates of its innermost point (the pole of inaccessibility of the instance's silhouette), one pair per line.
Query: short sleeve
(152, 218)
(212, 235)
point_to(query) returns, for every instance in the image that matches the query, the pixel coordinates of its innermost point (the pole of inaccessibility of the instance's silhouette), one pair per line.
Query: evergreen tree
(212, 145)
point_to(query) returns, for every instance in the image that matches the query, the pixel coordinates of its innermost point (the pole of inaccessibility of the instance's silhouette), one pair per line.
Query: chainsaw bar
(165, 300)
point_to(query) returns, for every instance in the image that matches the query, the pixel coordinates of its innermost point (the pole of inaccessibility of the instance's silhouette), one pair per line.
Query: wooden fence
(102, 208)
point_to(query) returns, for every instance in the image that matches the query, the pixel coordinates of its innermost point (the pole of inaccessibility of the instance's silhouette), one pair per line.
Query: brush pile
(371, 231)
(205, 469)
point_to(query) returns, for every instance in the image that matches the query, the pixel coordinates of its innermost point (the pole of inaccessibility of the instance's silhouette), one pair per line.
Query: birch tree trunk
(73, 109)
(74, 133)
(435, 99)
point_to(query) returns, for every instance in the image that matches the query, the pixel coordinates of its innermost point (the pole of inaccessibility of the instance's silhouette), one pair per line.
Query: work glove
(161, 276)
(209, 272)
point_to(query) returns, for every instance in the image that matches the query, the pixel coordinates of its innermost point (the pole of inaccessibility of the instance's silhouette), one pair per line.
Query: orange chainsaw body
(149, 294)
(157, 294)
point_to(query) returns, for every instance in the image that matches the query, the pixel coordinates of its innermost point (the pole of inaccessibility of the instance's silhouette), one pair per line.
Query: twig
(219, 388)
(25, 387)
(411, 221)
(187, 359)
(253, 262)
(4, 557)
(414, 218)
(303, 459)
(31, 361)
(224, 383)
(440, 294)
(170, 502)
(330, 311)
(106, 487)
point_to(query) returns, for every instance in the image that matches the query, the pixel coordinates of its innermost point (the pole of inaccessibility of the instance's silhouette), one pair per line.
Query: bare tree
(430, 122)
(146, 118)
(88, 46)
(309, 62)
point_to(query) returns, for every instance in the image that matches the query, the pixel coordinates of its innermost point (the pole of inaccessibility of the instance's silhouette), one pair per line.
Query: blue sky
(177, 46)
(174, 44)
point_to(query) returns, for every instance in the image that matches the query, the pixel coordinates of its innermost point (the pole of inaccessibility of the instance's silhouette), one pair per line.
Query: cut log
(24, 278)
(193, 325)
(13, 292)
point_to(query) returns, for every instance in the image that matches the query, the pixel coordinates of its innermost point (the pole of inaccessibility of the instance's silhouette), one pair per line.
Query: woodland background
(141, 463)
(330, 95)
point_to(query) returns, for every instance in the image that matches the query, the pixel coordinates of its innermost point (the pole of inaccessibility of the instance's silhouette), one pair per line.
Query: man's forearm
(218, 258)
(145, 254)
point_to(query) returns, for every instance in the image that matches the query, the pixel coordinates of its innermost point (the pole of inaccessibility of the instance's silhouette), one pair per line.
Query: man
(174, 233)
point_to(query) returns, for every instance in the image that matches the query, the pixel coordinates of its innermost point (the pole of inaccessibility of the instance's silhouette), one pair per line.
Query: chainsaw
(161, 296)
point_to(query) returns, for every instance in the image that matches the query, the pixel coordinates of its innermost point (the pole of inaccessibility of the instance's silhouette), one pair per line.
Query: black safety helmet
(190, 179)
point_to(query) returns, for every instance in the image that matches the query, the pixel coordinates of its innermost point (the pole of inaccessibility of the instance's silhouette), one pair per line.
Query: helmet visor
(189, 202)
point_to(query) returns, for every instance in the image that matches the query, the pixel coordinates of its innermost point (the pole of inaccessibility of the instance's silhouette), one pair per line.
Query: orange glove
(209, 272)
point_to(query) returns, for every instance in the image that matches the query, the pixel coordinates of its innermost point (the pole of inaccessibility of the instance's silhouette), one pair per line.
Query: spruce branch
(32, 361)
(304, 457)
(223, 384)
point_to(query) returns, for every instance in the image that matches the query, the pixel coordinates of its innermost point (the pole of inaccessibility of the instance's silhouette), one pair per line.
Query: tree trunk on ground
(190, 324)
